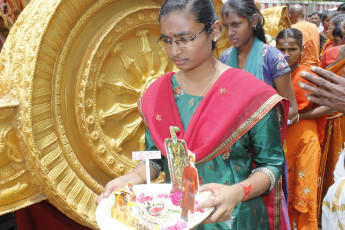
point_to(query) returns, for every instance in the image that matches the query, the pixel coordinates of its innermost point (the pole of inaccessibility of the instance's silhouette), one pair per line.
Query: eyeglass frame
(179, 40)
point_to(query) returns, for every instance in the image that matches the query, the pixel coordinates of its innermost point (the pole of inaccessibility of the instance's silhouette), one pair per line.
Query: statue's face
(190, 161)
(130, 186)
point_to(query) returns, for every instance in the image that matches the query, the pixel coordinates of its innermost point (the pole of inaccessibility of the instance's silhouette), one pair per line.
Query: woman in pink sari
(227, 117)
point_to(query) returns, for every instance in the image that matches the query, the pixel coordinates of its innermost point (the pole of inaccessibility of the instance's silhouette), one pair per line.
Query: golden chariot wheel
(72, 72)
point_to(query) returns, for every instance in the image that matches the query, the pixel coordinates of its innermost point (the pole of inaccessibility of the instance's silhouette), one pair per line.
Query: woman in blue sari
(243, 23)
(244, 27)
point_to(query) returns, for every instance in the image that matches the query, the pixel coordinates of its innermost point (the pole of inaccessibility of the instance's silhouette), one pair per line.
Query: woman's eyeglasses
(166, 43)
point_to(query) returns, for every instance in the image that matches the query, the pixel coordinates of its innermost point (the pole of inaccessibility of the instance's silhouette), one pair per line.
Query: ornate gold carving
(119, 87)
(276, 19)
(15, 191)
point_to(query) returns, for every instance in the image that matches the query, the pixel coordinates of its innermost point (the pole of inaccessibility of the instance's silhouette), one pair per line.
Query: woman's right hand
(112, 186)
(225, 199)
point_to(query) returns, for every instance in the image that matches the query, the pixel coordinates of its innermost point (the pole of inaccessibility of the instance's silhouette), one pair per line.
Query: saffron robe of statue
(190, 187)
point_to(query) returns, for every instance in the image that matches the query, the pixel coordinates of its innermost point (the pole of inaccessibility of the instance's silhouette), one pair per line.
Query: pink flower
(176, 197)
(142, 198)
(199, 210)
(180, 224)
(163, 195)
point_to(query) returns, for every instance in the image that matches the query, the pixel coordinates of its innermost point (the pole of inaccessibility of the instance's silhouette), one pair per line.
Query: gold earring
(216, 38)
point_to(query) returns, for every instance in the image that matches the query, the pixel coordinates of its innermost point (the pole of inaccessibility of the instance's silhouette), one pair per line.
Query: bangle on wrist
(139, 174)
(297, 118)
(268, 173)
(246, 190)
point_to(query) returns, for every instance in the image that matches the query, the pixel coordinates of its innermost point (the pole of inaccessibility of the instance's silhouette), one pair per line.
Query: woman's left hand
(224, 200)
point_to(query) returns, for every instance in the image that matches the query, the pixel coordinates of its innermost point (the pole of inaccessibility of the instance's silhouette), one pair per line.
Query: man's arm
(329, 89)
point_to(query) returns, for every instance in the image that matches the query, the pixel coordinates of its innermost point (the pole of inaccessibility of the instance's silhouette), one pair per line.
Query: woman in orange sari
(331, 54)
(302, 139)
(325, 19)
(336, 20)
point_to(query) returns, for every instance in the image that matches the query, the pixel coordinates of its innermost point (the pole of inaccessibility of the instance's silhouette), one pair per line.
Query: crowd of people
(265, 123)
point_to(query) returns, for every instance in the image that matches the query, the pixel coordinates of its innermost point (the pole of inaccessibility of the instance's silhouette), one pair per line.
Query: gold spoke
(164, 61)
(118, 87)
(118, 111)
(128, 132)
(128, 62)
(146, 50)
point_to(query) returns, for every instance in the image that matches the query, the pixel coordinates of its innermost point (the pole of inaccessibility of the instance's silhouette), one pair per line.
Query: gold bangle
(139, 174)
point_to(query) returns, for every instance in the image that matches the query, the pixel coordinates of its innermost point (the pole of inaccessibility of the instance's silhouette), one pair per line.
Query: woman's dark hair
(315, 13)
(203, 11)
(337, 32)
(291, 33)
(246, 8)
(325, 14)
(341, 7)
(336, 13)
(337, 20)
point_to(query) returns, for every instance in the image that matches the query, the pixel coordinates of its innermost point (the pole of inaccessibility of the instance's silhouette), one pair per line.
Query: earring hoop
(216, 38)
(254, 27)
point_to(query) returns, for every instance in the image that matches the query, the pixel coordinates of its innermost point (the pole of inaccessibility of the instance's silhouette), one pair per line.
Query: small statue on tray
(177, 158)
(190, 186)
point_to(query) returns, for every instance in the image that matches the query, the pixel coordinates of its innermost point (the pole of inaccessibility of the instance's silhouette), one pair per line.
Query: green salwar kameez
(261, 145)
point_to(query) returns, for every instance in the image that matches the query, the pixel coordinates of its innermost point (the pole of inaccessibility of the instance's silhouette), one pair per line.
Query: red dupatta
(234, 104)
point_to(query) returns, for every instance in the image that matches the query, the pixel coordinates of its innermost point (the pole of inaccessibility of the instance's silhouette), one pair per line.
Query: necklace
(214, 78)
